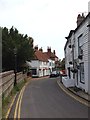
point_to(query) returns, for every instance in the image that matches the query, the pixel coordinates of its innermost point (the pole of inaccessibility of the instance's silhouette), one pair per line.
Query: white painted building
(39, 68)
(69, 54)
(77, 53)
(41, 65)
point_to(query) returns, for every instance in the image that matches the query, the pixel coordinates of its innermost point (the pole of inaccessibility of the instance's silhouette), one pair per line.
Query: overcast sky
(47, 21)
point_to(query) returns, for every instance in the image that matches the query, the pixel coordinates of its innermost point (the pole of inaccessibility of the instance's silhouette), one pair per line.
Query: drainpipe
(73, 60)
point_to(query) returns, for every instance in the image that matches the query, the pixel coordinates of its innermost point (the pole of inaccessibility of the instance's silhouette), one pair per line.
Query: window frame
(82, 73)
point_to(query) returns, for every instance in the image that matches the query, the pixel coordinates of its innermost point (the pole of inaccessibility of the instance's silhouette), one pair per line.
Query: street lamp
(15, 69)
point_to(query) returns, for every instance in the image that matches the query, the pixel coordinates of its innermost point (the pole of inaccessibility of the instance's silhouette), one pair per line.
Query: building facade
(77, 53)
(43, 62)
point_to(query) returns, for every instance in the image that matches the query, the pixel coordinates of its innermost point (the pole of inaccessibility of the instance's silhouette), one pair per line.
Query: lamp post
(15, 69)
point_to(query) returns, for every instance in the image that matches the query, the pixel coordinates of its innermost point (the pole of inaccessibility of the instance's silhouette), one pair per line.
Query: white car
(54, 74)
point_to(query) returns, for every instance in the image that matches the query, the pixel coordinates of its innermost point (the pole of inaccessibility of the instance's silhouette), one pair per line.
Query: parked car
(63, 73)
(54, 74)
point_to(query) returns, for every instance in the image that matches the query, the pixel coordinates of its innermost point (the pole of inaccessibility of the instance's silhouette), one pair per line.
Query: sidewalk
(77, 94)
(80, 93)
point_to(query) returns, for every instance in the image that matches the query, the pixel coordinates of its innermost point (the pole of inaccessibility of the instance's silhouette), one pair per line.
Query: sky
(48, 22)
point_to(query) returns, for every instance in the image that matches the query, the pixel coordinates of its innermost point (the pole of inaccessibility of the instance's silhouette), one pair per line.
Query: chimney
(41, 49)
(80, 18)
(54, 52)
(49, 49)
(36, 47)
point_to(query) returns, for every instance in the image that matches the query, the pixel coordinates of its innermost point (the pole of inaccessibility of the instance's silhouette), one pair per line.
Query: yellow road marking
(15, 114)
(7, 114)
(19, 109)
(74, 96)
(18, 104)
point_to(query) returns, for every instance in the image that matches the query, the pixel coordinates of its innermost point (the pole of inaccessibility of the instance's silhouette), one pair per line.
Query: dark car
(54, 74)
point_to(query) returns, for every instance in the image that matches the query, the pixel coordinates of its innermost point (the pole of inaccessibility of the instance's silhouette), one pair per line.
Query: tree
(12, 39)
(62, 63)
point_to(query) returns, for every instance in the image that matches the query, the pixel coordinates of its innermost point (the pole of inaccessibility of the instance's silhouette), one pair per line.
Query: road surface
(44, 99)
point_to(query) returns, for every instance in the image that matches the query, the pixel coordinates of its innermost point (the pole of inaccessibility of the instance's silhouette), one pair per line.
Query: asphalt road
(44, 99)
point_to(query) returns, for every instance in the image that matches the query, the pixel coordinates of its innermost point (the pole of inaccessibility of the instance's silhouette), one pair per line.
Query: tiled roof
(50, 55)
(44, 56)
(40, 56)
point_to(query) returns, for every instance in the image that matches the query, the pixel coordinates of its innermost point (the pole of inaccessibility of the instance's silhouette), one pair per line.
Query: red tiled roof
(44, 56)
(50, 55)
(40, 56)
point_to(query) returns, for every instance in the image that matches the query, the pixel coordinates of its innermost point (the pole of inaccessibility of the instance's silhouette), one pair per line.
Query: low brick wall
(7, 81)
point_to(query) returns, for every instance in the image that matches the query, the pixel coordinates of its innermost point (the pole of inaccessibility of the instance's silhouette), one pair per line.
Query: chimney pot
(80, 18)
(41, 49)
(49, 49)
(54, 52)
(36, 47)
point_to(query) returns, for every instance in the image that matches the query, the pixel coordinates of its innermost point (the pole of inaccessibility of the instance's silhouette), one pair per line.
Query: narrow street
(44, 99)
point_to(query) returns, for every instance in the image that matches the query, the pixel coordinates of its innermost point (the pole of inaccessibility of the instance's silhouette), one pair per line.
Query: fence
(7, 81)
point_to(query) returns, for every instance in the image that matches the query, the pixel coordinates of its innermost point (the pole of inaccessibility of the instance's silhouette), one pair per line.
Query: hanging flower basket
(74, 70)
(80, 56)
(70, 62)
(69, 46)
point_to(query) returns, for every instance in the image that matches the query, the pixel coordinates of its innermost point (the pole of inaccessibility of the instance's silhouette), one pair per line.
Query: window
(80, 51)
(50, 63)
(34, 71)
(82, 80)
(45, 63)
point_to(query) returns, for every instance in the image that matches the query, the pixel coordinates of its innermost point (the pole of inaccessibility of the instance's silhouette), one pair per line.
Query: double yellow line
(8, 112)
(18, 104)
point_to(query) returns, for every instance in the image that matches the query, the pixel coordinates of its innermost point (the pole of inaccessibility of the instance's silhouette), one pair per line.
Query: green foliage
(12, 39)
(62, 63)
(6, 101)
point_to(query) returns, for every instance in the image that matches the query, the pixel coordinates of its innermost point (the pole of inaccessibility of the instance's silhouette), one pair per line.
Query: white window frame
(82, 78)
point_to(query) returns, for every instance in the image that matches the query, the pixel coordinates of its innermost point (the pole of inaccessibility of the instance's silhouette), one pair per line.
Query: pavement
(77, 94)
(81, 94)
